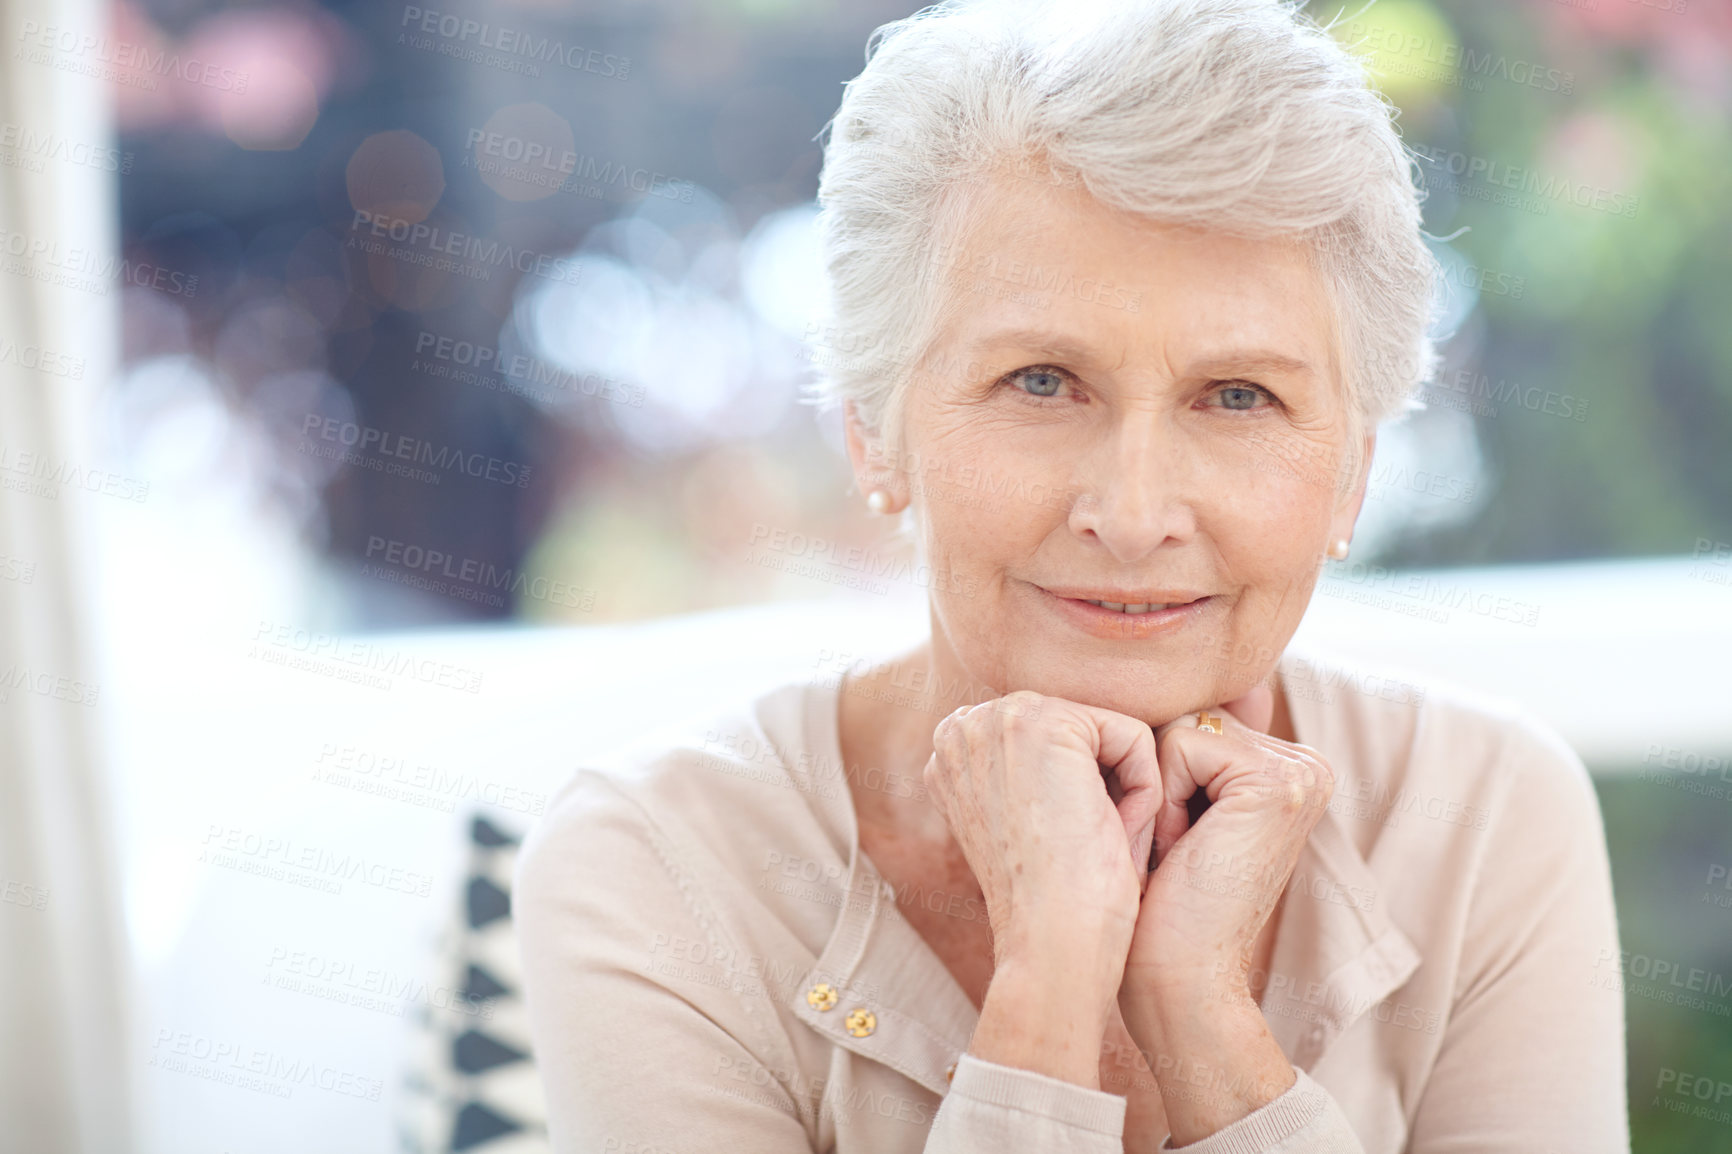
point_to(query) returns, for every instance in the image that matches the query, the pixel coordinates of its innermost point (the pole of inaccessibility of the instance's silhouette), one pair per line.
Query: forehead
(1025, 255)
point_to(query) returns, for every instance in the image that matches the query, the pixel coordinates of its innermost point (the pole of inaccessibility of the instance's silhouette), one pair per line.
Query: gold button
(950, 1072)
(821, 996)
(861, 1022)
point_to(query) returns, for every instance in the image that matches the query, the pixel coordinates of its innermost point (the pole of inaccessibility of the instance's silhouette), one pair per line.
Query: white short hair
(1238, 115)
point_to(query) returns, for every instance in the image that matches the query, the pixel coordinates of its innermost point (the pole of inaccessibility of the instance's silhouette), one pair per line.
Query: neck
(888, 713)
(1281, 724)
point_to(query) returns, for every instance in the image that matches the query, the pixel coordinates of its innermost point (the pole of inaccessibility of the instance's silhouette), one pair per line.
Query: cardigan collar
(1335, 956)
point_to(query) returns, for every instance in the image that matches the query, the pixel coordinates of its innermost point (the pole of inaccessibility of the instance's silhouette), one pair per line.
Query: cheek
(1273, 559)
(981, 505)
(1272, 538)
(1293, 472)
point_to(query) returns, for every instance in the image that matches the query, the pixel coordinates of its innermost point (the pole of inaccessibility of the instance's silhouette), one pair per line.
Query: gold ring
(1209, 724)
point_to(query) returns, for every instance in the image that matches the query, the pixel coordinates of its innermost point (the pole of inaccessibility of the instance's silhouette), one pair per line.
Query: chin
(1151, 697)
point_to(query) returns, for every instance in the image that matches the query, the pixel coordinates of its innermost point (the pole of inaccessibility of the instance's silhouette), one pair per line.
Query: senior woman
(1102, 865)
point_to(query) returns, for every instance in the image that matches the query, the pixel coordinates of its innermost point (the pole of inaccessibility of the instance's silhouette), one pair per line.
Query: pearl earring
(878, 500)
(1338, 549)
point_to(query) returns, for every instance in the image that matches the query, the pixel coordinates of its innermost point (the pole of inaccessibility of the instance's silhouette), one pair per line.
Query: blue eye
(1241, 396)
(1041, 382)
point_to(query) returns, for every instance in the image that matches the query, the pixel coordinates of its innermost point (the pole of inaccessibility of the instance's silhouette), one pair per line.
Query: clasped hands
(1111, 912)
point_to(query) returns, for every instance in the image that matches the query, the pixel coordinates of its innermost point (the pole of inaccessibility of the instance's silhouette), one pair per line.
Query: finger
(1140, 834)
(1194, 761)
(1172, 820)
(1189, 761)
(1235, 720)
(1111, 781)
(1126, 746)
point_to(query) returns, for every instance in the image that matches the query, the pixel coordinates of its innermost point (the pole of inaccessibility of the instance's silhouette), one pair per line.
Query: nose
(1135, 495)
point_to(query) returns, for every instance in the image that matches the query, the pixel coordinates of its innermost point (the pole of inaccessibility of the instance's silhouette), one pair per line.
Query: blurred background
(364, 337)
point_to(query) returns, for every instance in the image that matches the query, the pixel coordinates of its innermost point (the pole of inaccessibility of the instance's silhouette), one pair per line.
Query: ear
(1353, 499)
(872, 467)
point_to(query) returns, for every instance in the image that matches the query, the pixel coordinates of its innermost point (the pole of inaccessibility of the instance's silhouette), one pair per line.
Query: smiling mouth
(1170, 598)
(1141, 619)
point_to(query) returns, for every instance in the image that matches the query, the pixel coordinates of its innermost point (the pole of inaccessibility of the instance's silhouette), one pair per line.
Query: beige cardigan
(712, 965)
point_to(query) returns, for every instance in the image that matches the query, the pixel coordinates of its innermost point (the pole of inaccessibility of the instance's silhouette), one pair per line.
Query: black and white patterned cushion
(472, 1083)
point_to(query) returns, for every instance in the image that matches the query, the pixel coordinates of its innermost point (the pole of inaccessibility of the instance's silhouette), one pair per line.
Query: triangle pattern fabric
(482, 984)
(471, 1086)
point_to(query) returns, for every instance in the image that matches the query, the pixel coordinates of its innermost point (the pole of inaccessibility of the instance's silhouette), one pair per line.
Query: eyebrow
(1033, 340)
(1252, 361)
(1226, 363)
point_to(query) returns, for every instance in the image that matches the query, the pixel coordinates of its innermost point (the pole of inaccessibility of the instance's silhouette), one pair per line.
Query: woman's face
(1124, 412)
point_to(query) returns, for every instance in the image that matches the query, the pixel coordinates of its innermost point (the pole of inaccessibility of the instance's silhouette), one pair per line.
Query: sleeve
(1005, 1109)
(647, 1041)
(645, 1048)
(1532, 1058)
(1305, 1119)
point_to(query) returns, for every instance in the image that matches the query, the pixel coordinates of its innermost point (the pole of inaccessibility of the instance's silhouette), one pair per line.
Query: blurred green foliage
(1664, 842)
(1623, 299)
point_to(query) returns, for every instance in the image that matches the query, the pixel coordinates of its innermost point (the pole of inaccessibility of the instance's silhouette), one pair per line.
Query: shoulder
(639, 931)
(686, 814)
(1529, 777)
(1414, 743)
(1477, 821)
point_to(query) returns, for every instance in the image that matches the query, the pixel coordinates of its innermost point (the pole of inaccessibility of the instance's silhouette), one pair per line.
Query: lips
(1127, 614)
(1133, 610)
(1132, 601)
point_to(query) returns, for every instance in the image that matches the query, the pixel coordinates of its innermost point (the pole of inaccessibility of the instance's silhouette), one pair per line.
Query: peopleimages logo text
(124, 54)
(520, 159)
(366, 439)
(479, 251)
(514, 42)
(1531, 182)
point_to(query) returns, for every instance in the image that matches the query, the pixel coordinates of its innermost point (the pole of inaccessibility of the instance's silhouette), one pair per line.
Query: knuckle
(1314, 768)
(1018, 712)
(1325, 781)
(1283, 781)
(1271, 764)
(974, 718)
